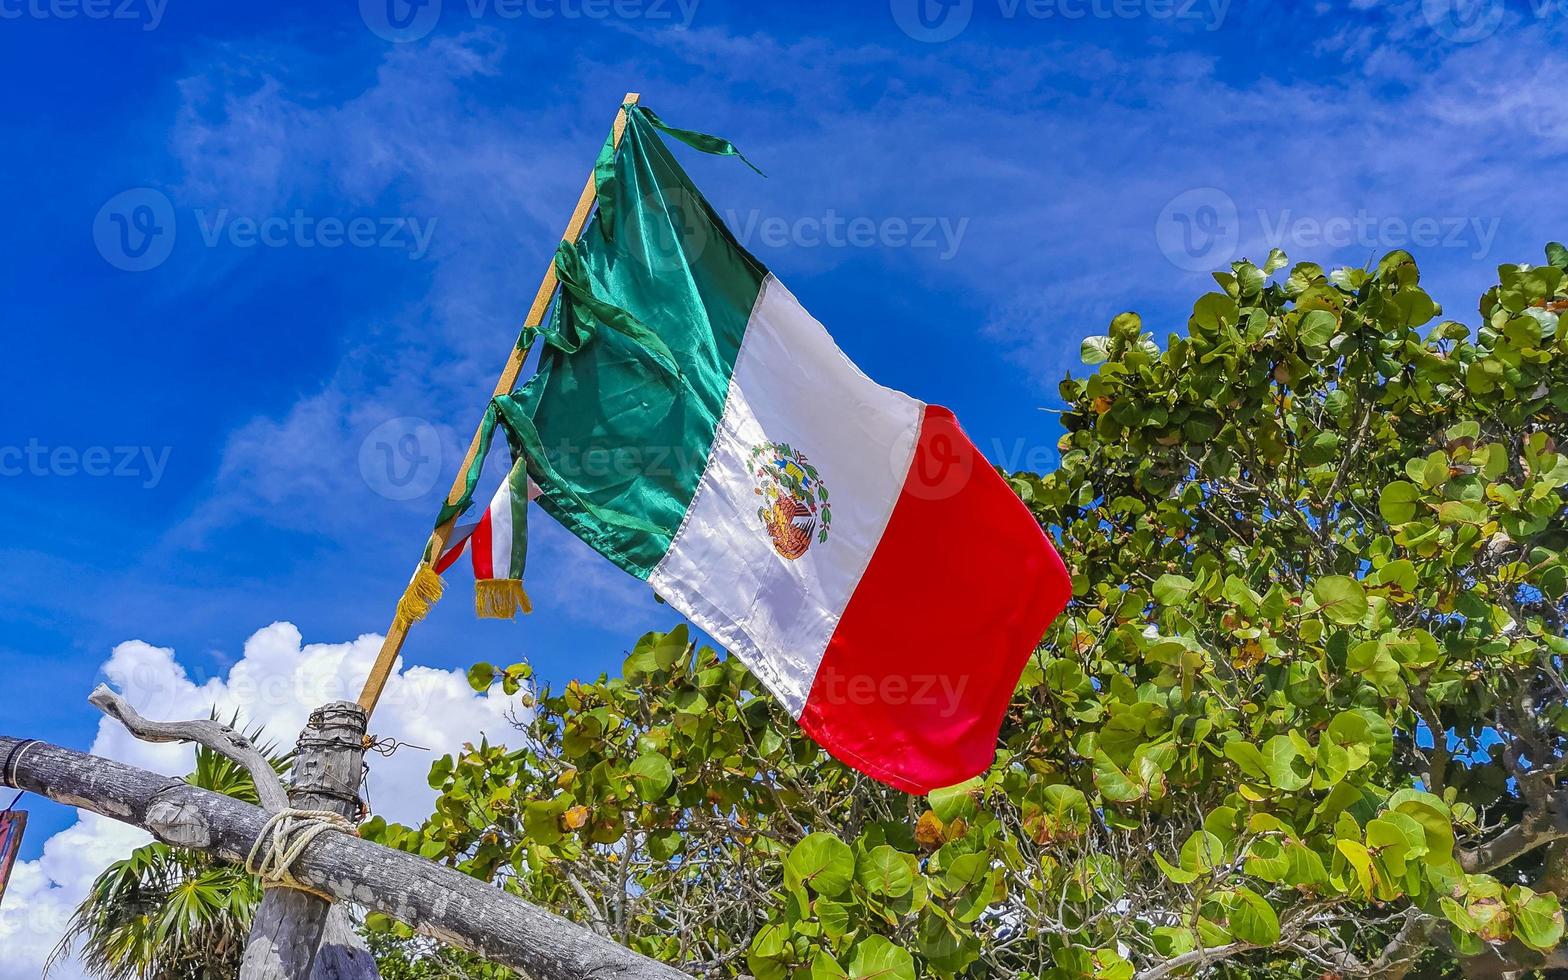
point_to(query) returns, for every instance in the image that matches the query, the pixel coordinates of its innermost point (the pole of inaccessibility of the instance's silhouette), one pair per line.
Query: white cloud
(277, 682)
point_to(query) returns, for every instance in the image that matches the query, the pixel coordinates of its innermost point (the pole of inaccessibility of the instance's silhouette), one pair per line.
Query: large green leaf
(1538, 921)
(1317, 328)
(1172, 590)
(875, 958)
(1341, 598)
(886, 872)
(823, 862)
(1063, 811)
(1366, 735)
(1397, 502)
(1284, 764)
(1252, 918)
(652, 774)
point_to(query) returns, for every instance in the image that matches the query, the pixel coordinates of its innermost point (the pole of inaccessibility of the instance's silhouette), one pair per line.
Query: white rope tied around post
(283, 839)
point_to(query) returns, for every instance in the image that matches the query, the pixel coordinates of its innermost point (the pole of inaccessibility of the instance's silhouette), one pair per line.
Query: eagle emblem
(794, 501)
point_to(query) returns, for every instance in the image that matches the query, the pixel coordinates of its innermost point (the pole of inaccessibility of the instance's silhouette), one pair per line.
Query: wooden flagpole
(393, 644)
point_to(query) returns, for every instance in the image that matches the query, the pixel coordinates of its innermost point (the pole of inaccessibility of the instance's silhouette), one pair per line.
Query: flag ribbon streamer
(578, 309)
(604, 167)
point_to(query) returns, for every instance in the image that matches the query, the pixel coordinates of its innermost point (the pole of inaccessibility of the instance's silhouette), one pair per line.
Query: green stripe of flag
(625, 440)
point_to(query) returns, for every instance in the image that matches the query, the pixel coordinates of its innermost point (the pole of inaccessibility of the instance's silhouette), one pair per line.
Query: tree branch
(1194, 958)
(1437, 762)
(600, 924)
(1398, 956)
(1535, 830)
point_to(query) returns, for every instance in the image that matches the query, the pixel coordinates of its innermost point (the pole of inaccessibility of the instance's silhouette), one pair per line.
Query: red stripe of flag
(920, 670)
(484, 561)
(454, 548)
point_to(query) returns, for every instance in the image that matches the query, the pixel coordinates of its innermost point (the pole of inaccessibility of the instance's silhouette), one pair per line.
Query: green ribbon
(604, 167)
(716, 145)
(578, 309)
(523, 437)
(471, 478)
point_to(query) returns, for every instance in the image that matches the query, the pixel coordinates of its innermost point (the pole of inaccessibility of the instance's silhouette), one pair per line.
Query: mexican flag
(693, 423)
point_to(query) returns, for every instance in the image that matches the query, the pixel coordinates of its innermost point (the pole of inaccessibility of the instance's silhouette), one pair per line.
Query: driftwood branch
(214, 735)
(295, 934)
(435, 900)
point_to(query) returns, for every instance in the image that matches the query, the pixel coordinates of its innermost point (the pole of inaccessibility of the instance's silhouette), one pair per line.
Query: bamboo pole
(398, 632)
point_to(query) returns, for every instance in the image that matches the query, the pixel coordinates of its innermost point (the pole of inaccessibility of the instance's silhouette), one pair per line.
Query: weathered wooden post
(328, 767)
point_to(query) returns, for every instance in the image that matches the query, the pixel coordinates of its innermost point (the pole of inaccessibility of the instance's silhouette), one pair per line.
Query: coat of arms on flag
(794, 507)
(908, 562)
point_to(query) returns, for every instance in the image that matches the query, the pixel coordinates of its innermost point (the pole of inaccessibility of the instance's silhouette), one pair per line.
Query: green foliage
(1314, 532)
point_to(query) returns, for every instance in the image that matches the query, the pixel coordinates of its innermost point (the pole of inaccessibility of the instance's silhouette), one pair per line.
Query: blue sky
(258, 253)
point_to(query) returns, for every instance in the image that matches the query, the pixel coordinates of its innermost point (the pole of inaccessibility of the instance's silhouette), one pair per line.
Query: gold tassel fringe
(423, 592)
(500, 598)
